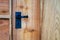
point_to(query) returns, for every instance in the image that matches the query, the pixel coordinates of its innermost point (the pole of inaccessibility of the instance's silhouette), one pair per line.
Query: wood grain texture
(32, 9)
(4, 7)
(51, 20)
(4, 29)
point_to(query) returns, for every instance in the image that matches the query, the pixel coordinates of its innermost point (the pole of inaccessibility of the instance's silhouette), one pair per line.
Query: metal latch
(18, 19)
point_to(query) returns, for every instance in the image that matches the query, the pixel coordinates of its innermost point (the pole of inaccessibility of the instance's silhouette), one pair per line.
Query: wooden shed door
(26, 19)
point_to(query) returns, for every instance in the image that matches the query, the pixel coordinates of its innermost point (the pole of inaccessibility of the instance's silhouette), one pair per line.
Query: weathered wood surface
(4, 23)
(4, 7)
(51, 20)
(27, 7)
(4, 29)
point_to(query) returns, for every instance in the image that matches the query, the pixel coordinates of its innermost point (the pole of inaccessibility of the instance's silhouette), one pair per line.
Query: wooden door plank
(32, 9)
(4, 7)
(51, 20)
(4, 29)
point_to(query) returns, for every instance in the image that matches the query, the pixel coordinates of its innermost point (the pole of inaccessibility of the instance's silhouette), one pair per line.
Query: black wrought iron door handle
(18, 19)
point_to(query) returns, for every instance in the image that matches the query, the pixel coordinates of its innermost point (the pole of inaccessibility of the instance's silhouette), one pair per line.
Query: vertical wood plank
(13, 16)
(32, 9)
(51, 20)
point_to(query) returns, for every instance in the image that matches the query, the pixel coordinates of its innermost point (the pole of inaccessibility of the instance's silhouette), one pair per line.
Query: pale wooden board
(51, 20)
(4, 7)
(33, 20)
(4, 29)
